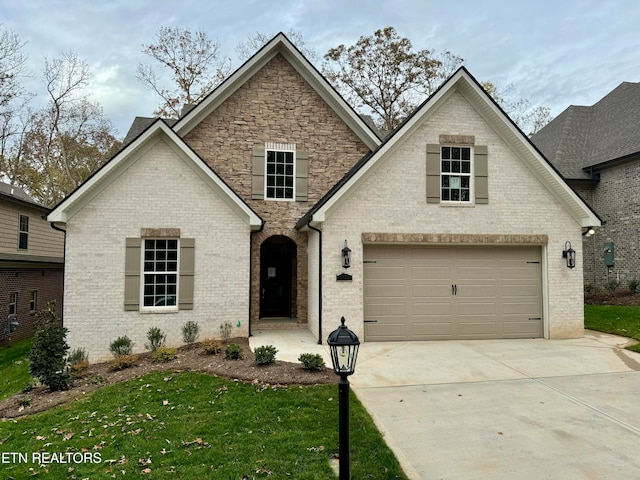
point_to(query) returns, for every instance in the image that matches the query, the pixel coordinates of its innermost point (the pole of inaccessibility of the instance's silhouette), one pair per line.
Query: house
(31, 263)
(239, 213)
(597, 150)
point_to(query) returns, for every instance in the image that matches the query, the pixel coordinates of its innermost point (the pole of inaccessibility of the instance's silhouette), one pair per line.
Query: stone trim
(454, 238)
(458, 139)
(159, 232)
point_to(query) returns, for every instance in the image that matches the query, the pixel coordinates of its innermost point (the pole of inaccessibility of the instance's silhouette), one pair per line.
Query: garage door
(454, 292)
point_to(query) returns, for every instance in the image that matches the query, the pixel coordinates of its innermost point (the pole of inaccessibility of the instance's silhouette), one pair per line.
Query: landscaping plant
(121, 346)
(233, 352)
(211, 346)
(157, 338)
(190, 332)
(311, 361)
(265, 354)
(47, 357)
(163, 354)
(225, 332)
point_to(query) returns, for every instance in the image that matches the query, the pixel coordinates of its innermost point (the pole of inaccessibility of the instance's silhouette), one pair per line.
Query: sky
(554, 53)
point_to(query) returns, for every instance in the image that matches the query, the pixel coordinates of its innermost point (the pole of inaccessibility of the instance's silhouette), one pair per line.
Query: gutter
(319, 278)
(251, 234)
(64, 265)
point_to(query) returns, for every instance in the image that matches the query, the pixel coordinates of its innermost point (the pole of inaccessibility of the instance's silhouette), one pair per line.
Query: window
(455, 174)
(33, 304)
(23, 239)
(160, 269)
(280, 174)
(13, 303)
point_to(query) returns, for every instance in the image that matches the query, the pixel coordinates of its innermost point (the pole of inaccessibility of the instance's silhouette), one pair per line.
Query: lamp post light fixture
(346, 256)
(343, 344)
(570, 254)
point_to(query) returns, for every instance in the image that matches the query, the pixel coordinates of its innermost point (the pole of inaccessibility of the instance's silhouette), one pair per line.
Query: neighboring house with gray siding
(239, 211)
(597, 150)
(31, 263)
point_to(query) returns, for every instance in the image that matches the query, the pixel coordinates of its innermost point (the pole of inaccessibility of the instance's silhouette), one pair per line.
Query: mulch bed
(189, 358)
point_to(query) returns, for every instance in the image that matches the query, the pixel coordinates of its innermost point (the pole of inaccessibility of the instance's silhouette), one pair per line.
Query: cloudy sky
(555, 52)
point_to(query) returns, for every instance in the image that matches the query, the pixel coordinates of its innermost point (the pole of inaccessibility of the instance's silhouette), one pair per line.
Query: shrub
(613, 285)
(163, 354)
(311, 361)
(225, 332)
(157, 338)
(265, 354)
(121, 346)
(79, 369)
(633, 285)
(211, 346)
(123, 361)
(233, 352)
(190, 332)
(588, 289)
(47, 357)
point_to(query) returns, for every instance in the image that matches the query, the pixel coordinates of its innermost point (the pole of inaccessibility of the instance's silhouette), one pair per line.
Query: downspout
(251, 234)
(64, 264)
(319, 279)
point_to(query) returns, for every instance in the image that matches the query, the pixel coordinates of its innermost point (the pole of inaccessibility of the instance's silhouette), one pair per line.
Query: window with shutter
(279, 172)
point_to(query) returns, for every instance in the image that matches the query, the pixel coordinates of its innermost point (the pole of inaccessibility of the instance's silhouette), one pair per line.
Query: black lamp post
(344, 346)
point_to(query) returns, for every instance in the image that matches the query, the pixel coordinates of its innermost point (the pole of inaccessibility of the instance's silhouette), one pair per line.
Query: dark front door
(276, 264)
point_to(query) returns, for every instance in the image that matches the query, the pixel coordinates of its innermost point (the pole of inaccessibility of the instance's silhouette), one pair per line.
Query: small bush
(163, 354)
(76, 356)
(311, 361)
(265, 354)
(123, 361)
(633, 285)
(25, 401)
(225, 332)
(121, 346)
(79, 369)
(157, 338)
(48, 350)
(233, 352)
(211, 346)
(588, 289)
(612, 286)
(190, 332)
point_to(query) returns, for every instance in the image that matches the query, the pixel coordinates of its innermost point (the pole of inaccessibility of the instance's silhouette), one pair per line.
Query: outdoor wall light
(346, 256)
(570, 254)
(590, 231)
(343, 344)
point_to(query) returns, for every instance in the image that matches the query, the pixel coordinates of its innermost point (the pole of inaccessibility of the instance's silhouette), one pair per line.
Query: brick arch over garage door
(414, 292)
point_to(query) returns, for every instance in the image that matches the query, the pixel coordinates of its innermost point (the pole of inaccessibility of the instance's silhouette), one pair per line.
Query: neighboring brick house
(31, 263)
(597, 150)
(238, 213)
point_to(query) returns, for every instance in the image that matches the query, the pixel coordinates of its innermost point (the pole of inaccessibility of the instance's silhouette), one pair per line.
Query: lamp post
(344, 345)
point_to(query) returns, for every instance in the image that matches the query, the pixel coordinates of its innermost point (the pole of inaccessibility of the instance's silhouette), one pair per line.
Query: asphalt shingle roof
(582, 137)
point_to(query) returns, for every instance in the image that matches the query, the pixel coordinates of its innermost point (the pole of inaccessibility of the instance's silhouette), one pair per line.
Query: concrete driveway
(499, 409)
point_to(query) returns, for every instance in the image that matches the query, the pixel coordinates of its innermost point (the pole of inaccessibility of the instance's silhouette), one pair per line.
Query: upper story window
(280, 172)
(160, 270)
(23, 238)
(456, 174)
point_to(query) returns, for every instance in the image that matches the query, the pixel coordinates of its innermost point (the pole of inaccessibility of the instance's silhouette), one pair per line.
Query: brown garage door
(454, 292)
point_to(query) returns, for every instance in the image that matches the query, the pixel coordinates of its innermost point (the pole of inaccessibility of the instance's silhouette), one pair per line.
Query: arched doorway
(278, 276)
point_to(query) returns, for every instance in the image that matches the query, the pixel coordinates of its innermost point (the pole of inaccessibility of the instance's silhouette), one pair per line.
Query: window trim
(13, 303)
(163, 308)
(33, 303)
(280, 147)
(23, 233)
(470, 175)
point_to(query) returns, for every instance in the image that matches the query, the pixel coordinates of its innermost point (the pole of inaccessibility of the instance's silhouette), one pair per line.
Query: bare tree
(383, 74)
(192, 60)
(256, 41)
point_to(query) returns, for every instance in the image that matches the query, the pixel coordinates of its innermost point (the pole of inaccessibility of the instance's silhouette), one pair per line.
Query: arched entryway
(278, 277)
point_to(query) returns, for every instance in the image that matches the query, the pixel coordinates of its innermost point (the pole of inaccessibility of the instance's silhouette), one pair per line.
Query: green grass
(191, 425)
(14, 368)
(619, 320)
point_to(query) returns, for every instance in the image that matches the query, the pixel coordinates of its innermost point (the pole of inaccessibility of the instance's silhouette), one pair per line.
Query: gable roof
(159, 129)
(463, 82)
(17, 195)
(279, 44)
(586, 137)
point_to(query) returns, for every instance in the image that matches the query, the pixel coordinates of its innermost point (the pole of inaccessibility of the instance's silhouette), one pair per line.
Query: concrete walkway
(498, 409)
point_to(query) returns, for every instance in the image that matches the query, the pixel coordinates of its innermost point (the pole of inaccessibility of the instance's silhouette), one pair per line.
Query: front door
(277, 256)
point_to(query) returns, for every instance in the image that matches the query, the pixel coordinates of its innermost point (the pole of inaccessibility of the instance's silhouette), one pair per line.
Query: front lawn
(171, 425)
(14, 368)
(616, 319)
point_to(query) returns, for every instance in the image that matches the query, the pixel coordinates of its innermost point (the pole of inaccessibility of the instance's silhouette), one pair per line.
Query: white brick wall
(392, 199)
(159, 190)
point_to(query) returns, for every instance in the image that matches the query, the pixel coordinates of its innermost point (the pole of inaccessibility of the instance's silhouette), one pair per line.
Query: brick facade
(392, 200)
(616, 198)
(46, 282)
(277, 105)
